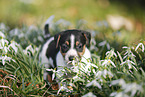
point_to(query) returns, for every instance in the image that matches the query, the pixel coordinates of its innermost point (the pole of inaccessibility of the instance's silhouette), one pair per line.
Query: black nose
(71, 58)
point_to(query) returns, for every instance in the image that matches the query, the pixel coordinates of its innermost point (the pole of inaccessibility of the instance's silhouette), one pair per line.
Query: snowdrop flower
(75, 77)
(5, 58)
(128, 53)
(133, 88)
(103, 43)
(14, 46)
(4, 42)
(14, 32)
(2, 35)
(75, 69)
(93, 33)
(81, 22)
(29, 48)
(119, 81)
(3, 27)
(49, 20)
(88, 66)
(63, 88)
(99, 74)
(90, 94)
(110, 54)
(104, 73)
(140, 44)
(31, 28)
(64, 22)
(40, 38)
(21, 35)
(102, 23)
(129, 63)
(108, 62)
(94, 83)
(93, 45)
(126, 87)
(107, 73)
(54, 71)
(119, 94)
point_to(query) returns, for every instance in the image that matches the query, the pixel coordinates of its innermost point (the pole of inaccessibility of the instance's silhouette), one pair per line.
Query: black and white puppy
(57, 51)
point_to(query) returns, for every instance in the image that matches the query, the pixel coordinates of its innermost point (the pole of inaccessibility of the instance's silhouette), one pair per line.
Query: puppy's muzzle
(71, 58)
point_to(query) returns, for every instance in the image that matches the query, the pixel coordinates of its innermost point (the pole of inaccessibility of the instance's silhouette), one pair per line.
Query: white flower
(119, 94)
(29, 48)
(133, 88)
(119, 81)
(3, 27)
(49, 20)
(90, 94)
(4, 42)
(140, 44)
(5, 58)
(128, 53)
(129, 63)
(2, 34)
(94, 83)
(63, 22)
(21, 35)
(111, 53)
(54, 71)
(104, 73)
(14, 46)
(63, 88)
(99, 74)
(126, 88)
(40, 38)
(93, 45)
(107, 62)
(14, 32)
(88, 66)
(103, 43)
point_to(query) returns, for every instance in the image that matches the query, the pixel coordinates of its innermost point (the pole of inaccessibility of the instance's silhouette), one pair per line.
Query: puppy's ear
(87, 36)
(57, 39)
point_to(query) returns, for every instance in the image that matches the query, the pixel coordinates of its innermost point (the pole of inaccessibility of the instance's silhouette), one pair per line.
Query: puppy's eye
(79, 46)
(64, 46)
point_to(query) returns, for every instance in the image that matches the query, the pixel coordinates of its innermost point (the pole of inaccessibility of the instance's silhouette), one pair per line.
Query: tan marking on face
(63, 54)
(77, 43)
(81, 53)
(67, 42)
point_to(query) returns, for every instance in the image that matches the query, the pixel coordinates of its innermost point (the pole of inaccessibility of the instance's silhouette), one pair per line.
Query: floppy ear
(57, 39)
(87, 35)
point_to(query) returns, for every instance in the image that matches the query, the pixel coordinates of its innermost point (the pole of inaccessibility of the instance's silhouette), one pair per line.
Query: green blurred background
(124, 14)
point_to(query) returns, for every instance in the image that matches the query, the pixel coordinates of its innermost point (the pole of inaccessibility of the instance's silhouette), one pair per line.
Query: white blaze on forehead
(71, 51)
(72, 40)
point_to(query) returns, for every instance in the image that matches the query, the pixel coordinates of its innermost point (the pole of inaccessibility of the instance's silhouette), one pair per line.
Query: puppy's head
(72, 43)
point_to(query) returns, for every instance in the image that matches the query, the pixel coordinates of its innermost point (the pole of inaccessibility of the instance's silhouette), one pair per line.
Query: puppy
(64, 47)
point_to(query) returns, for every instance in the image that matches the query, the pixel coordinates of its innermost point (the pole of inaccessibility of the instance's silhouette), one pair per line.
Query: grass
(116, 69)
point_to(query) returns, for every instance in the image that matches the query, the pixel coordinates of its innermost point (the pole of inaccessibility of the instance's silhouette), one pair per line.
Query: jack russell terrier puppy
(59, 50)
